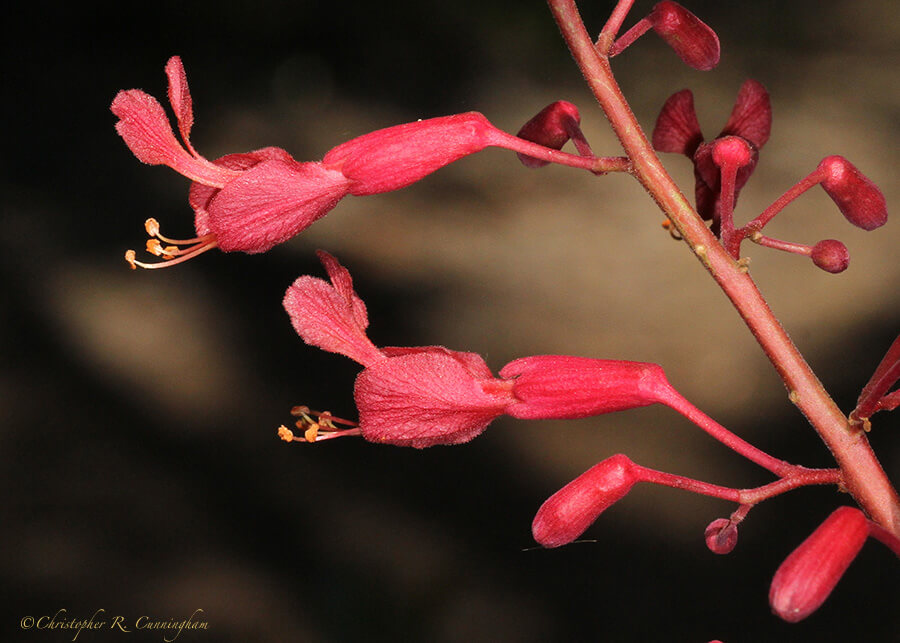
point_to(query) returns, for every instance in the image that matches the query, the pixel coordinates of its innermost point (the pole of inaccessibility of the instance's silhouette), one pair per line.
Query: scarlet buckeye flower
(677, 130)
(427, 395)
(253, 201)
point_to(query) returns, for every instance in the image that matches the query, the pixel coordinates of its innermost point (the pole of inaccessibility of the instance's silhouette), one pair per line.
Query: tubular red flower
(392, 158)
(570, 511)
(807, 577)
(563, 387)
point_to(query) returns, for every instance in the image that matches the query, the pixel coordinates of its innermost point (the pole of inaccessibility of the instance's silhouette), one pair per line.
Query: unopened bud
(858, 199)
(551, 127)
(694, 42)
(571, 510)
(721, 536)
(805, 579)
(831, 255)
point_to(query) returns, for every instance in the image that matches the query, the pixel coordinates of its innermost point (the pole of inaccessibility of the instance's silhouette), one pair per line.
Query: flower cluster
(724, 165)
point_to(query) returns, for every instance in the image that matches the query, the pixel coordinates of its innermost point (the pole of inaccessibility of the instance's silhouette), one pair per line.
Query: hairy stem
(863, 475)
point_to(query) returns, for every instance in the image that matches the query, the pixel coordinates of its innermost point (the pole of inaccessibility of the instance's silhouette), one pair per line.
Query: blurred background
(141, 470)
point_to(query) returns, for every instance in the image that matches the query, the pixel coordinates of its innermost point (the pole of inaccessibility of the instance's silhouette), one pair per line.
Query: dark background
(141, 472)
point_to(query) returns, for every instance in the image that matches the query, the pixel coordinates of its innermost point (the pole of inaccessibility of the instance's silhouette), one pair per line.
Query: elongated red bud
(551, 127)
(694, 42)
(562, 387)
(721, 536)
(392, 158)
(831, 255)
(858, 199)
(805, 579)
(570, 511)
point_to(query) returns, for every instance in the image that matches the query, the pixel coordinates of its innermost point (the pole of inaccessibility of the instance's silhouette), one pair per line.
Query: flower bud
(694, 42)
(805, 579)
(721, 536)
(831, 255)
(571, 510)
(392, 158)
(550, 128)
(557, 387)
(858, 199)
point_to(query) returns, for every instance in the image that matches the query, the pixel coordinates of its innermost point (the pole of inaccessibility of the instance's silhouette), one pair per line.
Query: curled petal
(563, 387)
(331, 316)
(694, 41)
(677, 129)
(392, 158)
(751, 116)
(272, 202)
(858, 199)
(147, 133)
(425, 398)
(551, 127)
(566, 514)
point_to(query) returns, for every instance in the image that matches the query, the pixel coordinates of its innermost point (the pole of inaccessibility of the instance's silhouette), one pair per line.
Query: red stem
(863, 475)
(801, 477)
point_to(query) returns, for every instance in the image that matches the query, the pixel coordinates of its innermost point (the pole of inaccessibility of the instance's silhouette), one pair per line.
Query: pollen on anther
(285, 433)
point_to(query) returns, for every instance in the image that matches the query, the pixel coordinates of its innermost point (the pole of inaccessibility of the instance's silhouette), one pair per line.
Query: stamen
(316, 426)
(172, 254)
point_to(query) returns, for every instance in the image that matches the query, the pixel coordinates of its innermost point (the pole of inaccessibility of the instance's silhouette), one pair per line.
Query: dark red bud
(731, 151)
(831, 256)
(571, 510)
(858, 199)
(805, 579)
(551, 127)
(721, 536)
(694, 42)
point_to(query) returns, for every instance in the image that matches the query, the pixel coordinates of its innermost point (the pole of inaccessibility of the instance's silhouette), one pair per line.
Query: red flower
(253, 201)
(247, 202)
(677, 130)
(427, 395)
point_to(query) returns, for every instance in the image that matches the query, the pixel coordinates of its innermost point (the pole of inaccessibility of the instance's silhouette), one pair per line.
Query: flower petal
(180, 98)
(272, 202)
(331, 316)
(751, 116)
(677, 129)
(147, 133)
(423, 399)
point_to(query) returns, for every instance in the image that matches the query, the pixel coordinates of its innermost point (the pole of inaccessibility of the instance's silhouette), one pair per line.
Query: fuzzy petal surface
(561, 387)
(272, 202)
(425, 398)
(331, 316)
(677, 129)
(751, 117)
